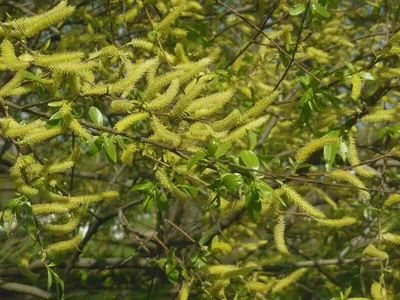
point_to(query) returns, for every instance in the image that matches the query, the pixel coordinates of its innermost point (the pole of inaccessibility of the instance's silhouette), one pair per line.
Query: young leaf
(146, 186)
(321, 10)
(196, 158)
(222, 148)
(250, 159)
(297, 9)
(96, 115)
(232, 180)
(253, 204)
(111, 150)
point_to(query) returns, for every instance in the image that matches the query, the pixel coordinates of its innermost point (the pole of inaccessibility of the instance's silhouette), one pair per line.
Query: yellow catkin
(241, 132)
(371, 250)
(162, 177)
(288, 280)
(72, 123)
(29, 26)
(393, 199)
(376, 291)
(64, 246)
(259, 108)
(228, 122)
(130, 119)
(163, 100)
(58, 167)
(128, 153)
(184, 292)
(23, 265)
(118, 106)
(356, 86)
(258, 286)
(354, 160)
(218, 286)
(301, 203)
(229, 271)
(223, 247)
(385, 115)
(343, 176)
(304, 153)
(130, 15)
(62, 228)
(346, 221)
(51, 208)
(163, 134)
(42, 135)
(279, 236)
(392, 238)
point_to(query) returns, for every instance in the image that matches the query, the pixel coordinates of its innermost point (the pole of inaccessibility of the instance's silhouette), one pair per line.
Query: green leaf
(270, 158)
(222, 148)
(321, 10)
(342, 149)
(266, 191)
(96, 115)
(189, 189)
(232, 180)
(145, 186)
(250, 159)
(94, 148)
(251, 139)
(147, 203)
(161, 201)
(111, 151)
(172, 273)
(30, 222)
(253, 204)
(367, 76)
(30, 76)
(297, 9)
(55, 103)
(212, 146)
(55, 119)
(196, 158)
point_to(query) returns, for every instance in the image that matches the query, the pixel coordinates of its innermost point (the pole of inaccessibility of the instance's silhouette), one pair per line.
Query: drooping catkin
(23, 265)
(356, 86)
(128, 153)
(222, 246)
(29, 26)
(165, 182)
(376, 291)
(184, 292)
(346, 221)
(241, 131)
(302, 204)
(279, 236)
(130, 119)
(163, 100)
(259, 108)
(59, 229)
(372, 251)
(288, 280)
(343, 176)
(304, 153)
(72, 123)
(352, 156)
(42, 135)
(393, 199)
(392, 238)
(118, 106)
(258, 286)
(163, 134)
(64, 246)
(229, 271)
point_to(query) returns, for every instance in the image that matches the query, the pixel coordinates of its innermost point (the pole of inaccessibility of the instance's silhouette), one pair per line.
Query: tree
(159, 149)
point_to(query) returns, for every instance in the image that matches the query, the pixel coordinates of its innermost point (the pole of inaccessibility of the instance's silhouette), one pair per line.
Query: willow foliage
(204, 149)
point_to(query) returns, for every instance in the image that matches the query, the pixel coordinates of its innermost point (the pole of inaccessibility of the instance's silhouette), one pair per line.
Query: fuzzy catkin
(126, 122)
(346, 221)
(222, 246)
(352, 156)
(184, 292)
(376, 291)
(393, 199)
(356, 86)
(392, 238)
(302, 204)
(64, 246)
(279, 236)
(343, 176)
(372, 251)
(288, 280)
(304, 153)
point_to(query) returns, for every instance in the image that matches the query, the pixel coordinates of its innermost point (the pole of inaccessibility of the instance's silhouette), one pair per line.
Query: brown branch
(25, 289)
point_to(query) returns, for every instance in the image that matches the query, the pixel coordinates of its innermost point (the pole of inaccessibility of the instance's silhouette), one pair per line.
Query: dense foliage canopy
(198, 149)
